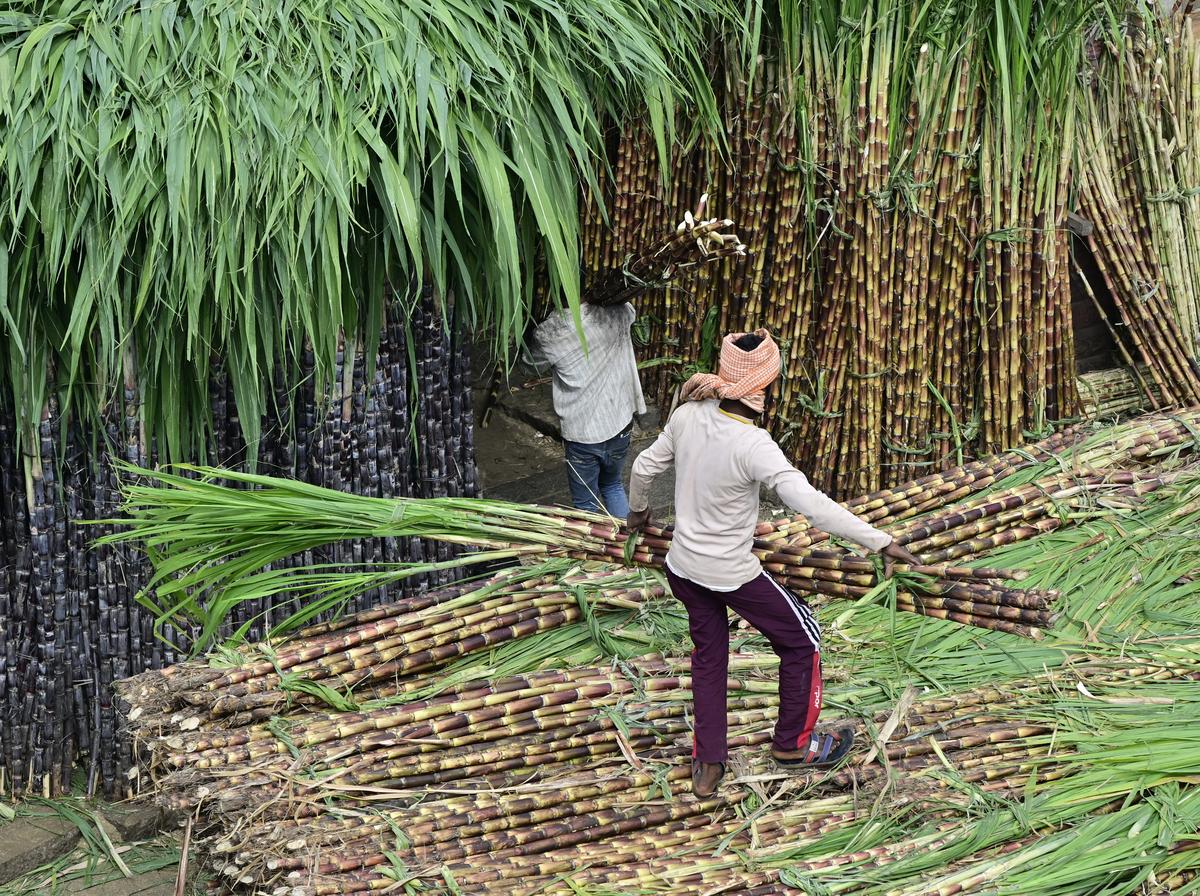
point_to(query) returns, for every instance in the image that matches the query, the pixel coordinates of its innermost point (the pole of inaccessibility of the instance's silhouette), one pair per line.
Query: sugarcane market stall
(247, 257)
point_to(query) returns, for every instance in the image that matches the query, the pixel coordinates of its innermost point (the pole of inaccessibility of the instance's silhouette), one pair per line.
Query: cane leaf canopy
(189, 181)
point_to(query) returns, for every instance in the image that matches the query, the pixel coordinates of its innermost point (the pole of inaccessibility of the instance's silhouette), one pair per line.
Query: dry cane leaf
(894, 721)
(1126, 701)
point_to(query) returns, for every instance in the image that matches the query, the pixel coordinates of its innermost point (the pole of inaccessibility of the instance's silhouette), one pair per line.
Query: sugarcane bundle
(191, 515)
(1118, 390)
(496, 729)
(695, 241)
(378, 654)
(562, 778)
(1140, 191)
(1114, 448)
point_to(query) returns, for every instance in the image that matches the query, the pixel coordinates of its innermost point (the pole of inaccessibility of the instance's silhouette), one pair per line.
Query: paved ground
(43, 852)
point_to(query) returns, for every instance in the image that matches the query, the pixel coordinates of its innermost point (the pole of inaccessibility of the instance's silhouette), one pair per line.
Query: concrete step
(30, 841)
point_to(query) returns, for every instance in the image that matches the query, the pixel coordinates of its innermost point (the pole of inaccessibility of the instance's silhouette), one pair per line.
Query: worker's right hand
(638, 519)
(897, 552)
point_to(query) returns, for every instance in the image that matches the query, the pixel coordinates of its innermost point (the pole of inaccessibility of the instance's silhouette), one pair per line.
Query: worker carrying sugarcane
(596, 394)
(721, 458)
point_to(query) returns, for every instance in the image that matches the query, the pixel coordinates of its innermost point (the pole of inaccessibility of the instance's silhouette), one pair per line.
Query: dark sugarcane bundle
(78, 630)
(72, 625)
(358, 474)
(12, 534)
(48, 711)
(108, 601)
(428, 330)
(467, 473)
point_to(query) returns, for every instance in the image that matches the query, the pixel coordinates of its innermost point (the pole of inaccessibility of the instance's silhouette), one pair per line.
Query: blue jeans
(594, 474)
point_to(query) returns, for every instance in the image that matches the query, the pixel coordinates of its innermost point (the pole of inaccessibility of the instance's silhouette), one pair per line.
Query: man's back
(596, 391)
(716, 494)
(720, 461)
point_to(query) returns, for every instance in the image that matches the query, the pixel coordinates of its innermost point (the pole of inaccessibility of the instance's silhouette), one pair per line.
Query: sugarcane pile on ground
(523, 780)
(530, 730)
(72, 623)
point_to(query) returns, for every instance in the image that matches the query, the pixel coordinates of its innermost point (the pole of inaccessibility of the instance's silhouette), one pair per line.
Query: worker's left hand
(897, 552)
(638, 519)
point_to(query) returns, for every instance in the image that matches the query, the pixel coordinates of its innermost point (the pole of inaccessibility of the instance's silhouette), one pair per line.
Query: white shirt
(720, 462)
(596, 393)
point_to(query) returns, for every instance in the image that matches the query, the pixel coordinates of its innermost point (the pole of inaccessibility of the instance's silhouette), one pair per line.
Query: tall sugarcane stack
(72, 625)
(903, 182)
(1141, 188)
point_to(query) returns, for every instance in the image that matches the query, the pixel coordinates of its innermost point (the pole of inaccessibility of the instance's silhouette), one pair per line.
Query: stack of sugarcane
(72, 623)
(582, 775)
(379, 653)
(1104, 394)
(271, 529)
(1141, 188)
(189, 522)
(906, 209)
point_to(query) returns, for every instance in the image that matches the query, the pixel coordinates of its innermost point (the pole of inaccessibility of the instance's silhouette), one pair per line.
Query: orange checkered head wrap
(741, 375)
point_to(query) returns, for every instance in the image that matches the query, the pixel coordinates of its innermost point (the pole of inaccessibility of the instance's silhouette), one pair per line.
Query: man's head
(748, 364)
(748, 342)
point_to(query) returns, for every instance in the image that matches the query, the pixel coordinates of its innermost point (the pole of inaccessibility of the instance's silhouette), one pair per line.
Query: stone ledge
(135, 820)
(31, 841)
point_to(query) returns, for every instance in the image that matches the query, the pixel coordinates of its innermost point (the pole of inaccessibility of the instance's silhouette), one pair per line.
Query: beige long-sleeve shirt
(720, 461)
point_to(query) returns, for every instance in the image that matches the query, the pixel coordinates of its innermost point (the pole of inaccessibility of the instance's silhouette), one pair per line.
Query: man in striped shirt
(721, 458)
(596, 394)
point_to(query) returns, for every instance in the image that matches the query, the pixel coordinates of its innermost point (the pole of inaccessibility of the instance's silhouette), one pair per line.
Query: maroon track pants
(788, 625)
